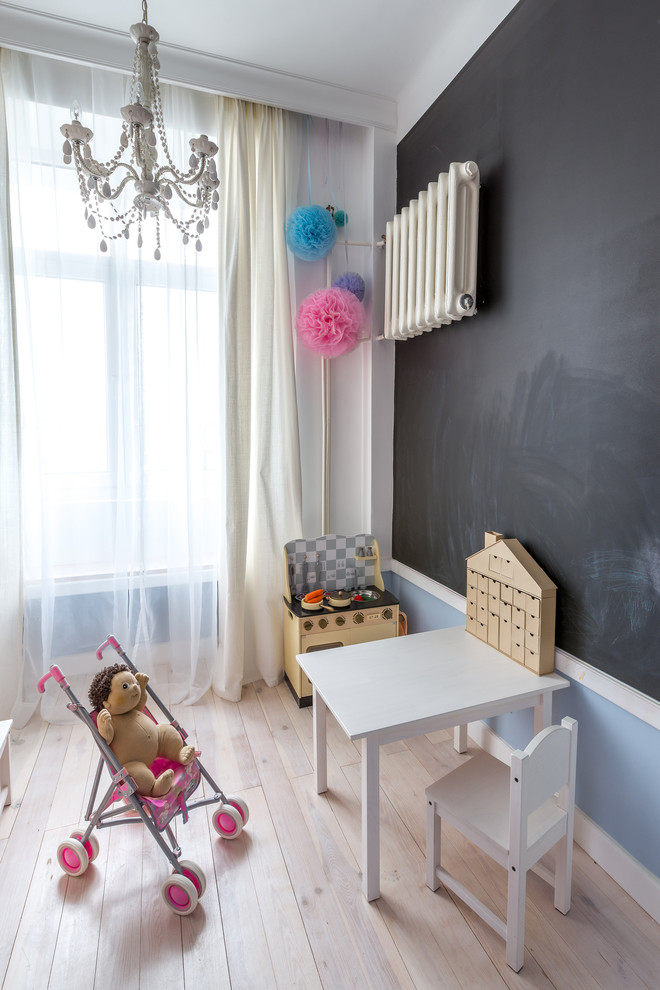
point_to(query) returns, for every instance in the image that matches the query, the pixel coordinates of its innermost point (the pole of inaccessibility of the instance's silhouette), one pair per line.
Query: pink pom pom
(329, 321)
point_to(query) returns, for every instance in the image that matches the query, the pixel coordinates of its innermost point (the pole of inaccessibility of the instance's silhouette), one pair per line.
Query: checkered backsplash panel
(331, 562)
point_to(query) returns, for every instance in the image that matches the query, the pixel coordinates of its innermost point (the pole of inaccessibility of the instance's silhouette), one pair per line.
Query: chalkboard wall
(539, 417)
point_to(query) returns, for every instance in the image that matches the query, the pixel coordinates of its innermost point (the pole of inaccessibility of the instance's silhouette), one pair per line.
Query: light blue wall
(618, 778)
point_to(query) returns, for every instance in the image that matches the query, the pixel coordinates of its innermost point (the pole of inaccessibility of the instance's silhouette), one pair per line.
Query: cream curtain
(261, 462)
(10, 528)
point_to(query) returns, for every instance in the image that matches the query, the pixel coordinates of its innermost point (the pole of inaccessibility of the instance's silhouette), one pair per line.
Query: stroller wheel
(72, 857)
(194, 873)
(92, 847)
(179, 893)
(228, 821)
(242, 807)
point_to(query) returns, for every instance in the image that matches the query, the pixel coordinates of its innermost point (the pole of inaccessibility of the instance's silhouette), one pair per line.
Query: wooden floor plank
(31, 959)
(24, 843)
(118, 962)
(202, 934)
(225, 749)
(292, 752)
(248, 953)
(291, 956)
(71, 794)
(77, 944)
(161, 951)
(324, 922)
(25, 745)
(386, 966)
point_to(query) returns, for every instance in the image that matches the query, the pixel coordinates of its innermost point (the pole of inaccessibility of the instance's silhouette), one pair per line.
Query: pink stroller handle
(110, 641)
(53, 672)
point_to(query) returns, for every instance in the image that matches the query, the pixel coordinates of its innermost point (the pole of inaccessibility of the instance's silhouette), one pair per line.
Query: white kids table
(392, 689)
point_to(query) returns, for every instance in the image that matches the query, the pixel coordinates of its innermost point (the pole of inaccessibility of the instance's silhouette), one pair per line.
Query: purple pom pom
(329, 321)
(353, 282)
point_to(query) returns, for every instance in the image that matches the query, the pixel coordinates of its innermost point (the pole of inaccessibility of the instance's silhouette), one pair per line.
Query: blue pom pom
(310, 233)
(341, 218)
(351, 281)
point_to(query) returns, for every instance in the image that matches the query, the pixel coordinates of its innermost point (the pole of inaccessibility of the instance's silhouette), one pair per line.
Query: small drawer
(532, 660)
(517, 648)
(471, 608)
(482, 631)
(520, 599)
(471, 625)
(483, 582)
(531, 640)
(494, 629)
(505, 611)
(494, 604)
(494, 587)
(518, 616)
(505, 635)
(482, 599)
(506, 593)
(532, 623)
(533, 606)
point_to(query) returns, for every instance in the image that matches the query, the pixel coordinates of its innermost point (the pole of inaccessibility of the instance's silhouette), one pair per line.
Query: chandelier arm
(182, 196)
(132, 177)
(99, 170)
(187, 178)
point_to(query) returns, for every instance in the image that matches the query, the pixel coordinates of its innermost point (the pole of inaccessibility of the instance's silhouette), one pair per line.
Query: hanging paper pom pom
(341, 218)
(310, 233)
(353, 282)
(329, 321)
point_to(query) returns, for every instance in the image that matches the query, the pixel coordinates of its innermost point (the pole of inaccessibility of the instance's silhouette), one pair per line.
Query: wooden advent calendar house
(511, 603)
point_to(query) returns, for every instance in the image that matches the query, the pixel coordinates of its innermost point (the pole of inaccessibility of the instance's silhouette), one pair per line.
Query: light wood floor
(283, 907)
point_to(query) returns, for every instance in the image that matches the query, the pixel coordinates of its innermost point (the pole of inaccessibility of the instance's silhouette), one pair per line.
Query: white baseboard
(642, 885)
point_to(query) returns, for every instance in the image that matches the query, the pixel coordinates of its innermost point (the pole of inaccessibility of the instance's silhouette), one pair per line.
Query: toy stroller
(183, 888)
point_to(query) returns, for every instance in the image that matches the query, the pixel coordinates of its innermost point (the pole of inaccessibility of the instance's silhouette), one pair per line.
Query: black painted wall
(540, 416)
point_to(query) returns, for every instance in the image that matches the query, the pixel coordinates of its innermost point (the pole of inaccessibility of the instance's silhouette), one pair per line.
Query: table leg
(370, 819)
(543, 712)
(320, 744)
(460, 738)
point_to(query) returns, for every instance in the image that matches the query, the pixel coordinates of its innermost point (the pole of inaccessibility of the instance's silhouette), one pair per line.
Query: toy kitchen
(333, 596)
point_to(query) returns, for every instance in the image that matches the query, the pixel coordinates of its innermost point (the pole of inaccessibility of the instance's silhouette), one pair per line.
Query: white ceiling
(367, 45)
(376, 47)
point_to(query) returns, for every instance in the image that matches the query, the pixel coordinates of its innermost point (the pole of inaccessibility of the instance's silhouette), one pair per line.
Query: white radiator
(431, 255)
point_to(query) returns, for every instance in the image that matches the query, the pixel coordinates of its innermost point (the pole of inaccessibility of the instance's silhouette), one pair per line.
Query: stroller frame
(186, 885)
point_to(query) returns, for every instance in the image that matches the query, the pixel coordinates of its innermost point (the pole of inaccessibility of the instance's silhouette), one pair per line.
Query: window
(119, 365)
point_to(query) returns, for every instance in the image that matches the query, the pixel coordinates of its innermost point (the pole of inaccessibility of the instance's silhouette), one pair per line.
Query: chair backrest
(546, 766)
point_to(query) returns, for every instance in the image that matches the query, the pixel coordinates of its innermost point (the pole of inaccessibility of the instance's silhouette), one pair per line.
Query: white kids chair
(515, 815)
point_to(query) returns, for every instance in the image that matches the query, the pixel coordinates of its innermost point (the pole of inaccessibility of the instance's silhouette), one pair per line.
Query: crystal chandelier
(101, 183)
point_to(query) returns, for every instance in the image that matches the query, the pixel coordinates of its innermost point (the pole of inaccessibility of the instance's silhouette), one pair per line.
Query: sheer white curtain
(10, 562)
(130, 457)
(259, 156)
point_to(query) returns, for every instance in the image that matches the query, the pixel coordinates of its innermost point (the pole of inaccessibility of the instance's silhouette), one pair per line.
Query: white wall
(356, 166)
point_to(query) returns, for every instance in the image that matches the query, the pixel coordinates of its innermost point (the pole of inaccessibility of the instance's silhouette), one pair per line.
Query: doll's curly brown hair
(99, 689)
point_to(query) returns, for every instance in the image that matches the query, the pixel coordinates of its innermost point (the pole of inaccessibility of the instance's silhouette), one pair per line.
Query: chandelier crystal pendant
(143, 130)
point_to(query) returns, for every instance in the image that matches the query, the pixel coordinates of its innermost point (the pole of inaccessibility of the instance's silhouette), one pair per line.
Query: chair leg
(433, 845)
(515, 918)
(563, 870)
